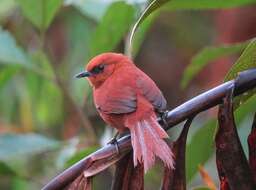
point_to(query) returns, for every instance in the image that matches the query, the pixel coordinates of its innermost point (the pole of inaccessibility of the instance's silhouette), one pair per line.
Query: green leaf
(6, 73)
(201, 146)
(12, 57)
(140, 35)
(200, 60)
(16, 149)
(112, 28)
(14, 146)
(40, 12)
(155, 4)
(206, 4)
(80, 155)
(15, 58)
(246, 61)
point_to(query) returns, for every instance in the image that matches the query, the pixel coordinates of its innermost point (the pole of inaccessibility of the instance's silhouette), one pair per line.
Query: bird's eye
(98, 69)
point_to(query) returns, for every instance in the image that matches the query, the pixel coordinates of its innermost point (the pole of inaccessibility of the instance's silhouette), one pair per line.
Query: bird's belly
(115, 120)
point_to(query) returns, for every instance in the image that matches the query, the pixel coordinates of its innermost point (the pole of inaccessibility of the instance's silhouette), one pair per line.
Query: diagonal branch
(243, 83)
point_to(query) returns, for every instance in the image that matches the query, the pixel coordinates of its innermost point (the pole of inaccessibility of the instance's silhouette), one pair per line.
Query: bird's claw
(163, 116)
(113, 141)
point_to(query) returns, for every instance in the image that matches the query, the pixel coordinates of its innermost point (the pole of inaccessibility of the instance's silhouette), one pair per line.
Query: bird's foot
(113, 141)
(163, 115)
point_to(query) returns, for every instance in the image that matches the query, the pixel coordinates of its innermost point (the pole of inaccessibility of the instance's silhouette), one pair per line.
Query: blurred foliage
(246, 61)
(202, 140)
(10, 52)
(155, 4)
(44, 43)
(206, 55)
(17, 149)
(40, 13)
(181, 5)
(103, 39)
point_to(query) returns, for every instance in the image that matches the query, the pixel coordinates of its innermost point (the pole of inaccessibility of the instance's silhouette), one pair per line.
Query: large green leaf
(201, 146)
(15, 146)
(16, 149)
(246, 61)
(112, 28)
(40, 12)
(155, 4)
(200, 60)
(13, 58)
(140, 35)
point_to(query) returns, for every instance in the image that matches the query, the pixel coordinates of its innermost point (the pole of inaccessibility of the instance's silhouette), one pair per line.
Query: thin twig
(244, 82)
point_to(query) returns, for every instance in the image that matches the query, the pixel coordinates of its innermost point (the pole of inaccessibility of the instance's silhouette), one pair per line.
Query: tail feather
(147, 141)
(136, 144)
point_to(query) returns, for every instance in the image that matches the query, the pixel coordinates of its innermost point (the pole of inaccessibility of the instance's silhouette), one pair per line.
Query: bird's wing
(118, 100)
(121, 94)
(150, 91)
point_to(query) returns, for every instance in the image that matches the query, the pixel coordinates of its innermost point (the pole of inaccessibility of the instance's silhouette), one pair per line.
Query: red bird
(127, 98)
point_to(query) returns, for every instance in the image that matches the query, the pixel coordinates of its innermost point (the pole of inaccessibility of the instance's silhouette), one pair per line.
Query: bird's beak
(83, 74)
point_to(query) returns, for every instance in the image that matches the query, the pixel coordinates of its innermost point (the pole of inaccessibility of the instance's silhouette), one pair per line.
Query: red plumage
(127, 98)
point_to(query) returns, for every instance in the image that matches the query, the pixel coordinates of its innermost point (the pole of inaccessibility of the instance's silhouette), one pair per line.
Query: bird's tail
(147, 142)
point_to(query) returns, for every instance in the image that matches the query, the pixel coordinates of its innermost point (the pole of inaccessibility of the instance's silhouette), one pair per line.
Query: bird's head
(102, 67)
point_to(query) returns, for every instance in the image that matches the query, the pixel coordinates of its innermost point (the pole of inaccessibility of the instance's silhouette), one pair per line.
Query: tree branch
(244, 82)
